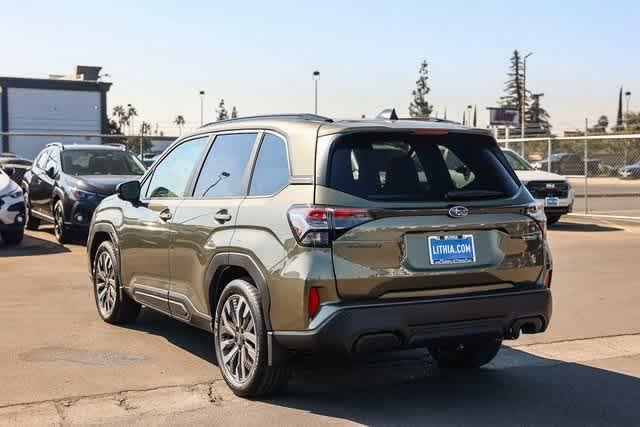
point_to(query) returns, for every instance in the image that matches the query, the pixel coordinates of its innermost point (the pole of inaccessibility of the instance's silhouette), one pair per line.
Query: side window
(52, 161)
(171, 176)
(224, 169)
(271, 172)
(41, 161)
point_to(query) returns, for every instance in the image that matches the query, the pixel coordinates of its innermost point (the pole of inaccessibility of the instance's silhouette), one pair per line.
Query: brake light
(314, 302)
(535, 211)
(316, 226)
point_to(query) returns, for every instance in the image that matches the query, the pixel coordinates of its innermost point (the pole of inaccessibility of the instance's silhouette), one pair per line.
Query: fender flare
(103, 227)
(236, 259)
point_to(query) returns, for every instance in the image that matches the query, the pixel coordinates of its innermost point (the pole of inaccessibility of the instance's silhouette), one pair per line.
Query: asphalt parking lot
(60, 364)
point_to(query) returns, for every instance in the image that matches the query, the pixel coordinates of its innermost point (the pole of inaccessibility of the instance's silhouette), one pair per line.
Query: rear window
(413, 168)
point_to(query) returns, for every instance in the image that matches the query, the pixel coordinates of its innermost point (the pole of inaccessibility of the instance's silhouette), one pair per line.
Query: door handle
(222, 216)
(165, 215)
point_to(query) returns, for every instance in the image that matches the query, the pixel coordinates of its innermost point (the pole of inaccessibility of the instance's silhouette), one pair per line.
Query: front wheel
(61, 233)
(114, 305)
(469, 353)
(240, 341)
(31, 222)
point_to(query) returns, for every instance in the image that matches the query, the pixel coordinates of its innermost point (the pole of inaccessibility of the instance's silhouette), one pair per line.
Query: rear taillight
(317, 226)
(535, 211)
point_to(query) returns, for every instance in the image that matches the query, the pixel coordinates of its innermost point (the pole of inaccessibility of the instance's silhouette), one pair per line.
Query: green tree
(131, 113)
(234, 113)
(221, 112)
(420, 107)
(537, 116)
(619, 120)
(513, 96)
(179, 121)
(601, 125)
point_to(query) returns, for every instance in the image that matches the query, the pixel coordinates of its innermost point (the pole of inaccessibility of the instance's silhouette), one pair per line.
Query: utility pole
(316, 77)
(586, 166)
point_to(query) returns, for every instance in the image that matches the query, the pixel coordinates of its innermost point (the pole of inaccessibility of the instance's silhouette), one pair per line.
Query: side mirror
(51, 172)
(129, 191)
(9, 171)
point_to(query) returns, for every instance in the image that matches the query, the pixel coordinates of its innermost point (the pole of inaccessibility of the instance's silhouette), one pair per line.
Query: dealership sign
(499, 116)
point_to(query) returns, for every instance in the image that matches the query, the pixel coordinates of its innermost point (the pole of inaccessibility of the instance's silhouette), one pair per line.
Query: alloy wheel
(237, 339)
(58, 222)
(105, 283)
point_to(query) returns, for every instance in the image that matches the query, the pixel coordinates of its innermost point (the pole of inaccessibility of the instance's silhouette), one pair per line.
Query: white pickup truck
(552, 189)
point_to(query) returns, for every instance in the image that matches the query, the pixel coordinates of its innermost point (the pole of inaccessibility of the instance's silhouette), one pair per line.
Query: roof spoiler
(388, 114)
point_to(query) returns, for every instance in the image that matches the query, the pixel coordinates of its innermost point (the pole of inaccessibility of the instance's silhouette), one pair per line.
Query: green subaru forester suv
(294, 234)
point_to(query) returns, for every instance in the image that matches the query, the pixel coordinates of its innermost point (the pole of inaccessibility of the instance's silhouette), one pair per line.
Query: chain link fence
(604, 170)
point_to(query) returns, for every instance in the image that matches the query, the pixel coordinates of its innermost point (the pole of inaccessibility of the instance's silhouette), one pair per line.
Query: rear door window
(413, 168)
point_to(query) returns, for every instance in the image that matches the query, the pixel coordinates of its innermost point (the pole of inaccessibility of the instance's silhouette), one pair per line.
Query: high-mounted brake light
(316, 226)
(431, 132)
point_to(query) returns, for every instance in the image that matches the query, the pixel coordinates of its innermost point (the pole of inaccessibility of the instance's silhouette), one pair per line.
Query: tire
(13, 237)
(553, 219)
(235, 351)
(62, 234)
(31, 222)
(470, 353)
(114, 306)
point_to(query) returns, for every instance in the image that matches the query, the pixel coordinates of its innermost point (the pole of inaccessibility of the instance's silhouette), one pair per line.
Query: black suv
(67, 182)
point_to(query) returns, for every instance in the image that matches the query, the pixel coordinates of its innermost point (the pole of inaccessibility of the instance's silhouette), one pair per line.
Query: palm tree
(121, 117)
(131, 113)
(179, 121)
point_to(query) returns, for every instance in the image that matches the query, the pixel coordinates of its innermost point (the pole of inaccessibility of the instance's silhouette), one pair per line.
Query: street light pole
(201, 107)
(627, 96)
(316, 77)
(523, 102)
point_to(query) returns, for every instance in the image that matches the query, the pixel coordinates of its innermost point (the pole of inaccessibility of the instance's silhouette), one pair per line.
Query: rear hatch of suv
(426, 213)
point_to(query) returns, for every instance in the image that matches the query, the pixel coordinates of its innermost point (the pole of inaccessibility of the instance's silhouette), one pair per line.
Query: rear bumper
(380, 327)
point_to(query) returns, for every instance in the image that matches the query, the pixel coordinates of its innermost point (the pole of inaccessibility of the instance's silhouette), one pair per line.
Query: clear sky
(260, 55)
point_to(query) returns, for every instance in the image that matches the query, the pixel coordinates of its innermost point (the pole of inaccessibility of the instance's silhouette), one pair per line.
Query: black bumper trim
(415, 324)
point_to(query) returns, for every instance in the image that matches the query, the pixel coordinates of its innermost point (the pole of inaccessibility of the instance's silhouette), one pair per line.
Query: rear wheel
(469, 353)
(114, 305)
(240, 340)
(13, 237)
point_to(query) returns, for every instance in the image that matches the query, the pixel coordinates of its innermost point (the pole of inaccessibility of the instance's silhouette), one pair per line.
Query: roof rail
(116, 144)
(301, 116)
(55, 144)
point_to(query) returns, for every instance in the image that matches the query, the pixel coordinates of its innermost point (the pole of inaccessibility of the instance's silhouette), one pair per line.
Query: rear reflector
(314, 302)
(547, 279)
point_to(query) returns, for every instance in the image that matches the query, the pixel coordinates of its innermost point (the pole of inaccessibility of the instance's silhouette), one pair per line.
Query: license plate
(451, 249)
(551, 201)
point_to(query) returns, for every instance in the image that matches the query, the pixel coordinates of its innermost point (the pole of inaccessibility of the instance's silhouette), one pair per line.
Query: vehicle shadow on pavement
(516, 389)
(31, 246)
(193, 340)
(582, 227)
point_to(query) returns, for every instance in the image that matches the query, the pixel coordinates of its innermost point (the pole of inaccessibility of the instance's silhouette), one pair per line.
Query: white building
(59, 105)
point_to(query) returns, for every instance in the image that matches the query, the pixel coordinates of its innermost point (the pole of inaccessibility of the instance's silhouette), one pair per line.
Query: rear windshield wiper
(473, 194)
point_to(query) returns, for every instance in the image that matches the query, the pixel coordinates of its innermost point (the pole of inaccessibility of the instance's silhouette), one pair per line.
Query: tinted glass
(419, 168)
(271, 172)
(41, 161)
(100, 162)
(225, 166)
(171, 175)
(517, 162)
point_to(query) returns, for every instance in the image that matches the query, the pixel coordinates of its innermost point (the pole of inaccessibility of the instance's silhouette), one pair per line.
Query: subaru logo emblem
(458, 212)
(551, 185)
